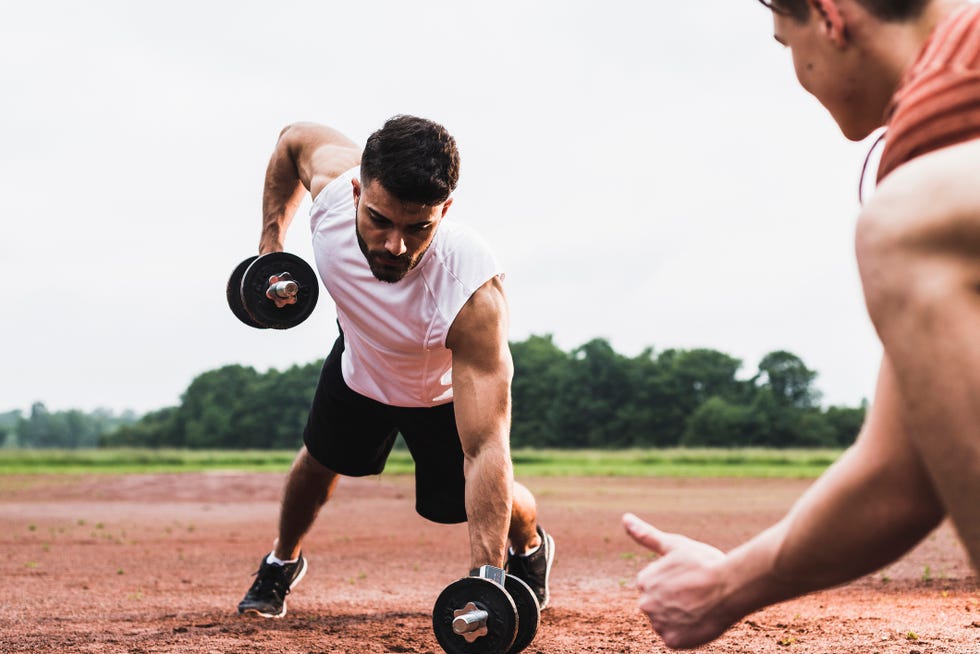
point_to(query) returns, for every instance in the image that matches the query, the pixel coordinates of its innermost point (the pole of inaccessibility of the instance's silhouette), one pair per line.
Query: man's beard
(384, 266)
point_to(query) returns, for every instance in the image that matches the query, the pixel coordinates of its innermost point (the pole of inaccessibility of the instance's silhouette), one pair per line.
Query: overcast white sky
(648, 172)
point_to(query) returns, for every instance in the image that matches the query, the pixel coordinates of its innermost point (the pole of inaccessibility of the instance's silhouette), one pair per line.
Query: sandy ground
(158, 563)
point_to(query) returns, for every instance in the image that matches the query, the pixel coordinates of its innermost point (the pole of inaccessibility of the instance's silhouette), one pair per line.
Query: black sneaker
(535, 568)
(267, 596)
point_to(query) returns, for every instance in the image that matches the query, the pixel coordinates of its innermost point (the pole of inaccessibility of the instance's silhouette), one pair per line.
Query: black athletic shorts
(352, 435)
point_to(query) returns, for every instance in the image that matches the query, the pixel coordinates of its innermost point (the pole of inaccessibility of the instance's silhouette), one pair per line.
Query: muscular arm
(482, 372)
(918, 247)
(871, 506)
(306, 157)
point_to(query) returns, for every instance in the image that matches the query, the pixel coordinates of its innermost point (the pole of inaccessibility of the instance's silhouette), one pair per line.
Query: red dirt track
(158, 562)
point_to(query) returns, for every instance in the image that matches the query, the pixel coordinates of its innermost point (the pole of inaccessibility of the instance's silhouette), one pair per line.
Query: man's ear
(831, 20)
(356, 184)
(445, 206)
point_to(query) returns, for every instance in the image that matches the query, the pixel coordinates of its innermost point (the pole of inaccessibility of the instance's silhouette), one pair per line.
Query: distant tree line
(72, 429)
(590, 397)
(593, 397)
(233, 407)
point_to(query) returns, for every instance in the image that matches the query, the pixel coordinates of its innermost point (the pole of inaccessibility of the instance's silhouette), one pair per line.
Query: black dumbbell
(489, 612)
(249, 289)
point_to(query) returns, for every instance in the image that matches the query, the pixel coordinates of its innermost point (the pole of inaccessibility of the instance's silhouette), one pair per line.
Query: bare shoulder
(931, 198)
(941, 181)
(480, 327)
(321, 153)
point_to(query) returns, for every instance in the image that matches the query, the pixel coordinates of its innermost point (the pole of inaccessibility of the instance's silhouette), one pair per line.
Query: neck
(895, 46)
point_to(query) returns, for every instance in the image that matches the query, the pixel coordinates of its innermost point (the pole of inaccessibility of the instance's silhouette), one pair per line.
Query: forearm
(859, 516)
(866, 510)
(489, 498)
(281, 197)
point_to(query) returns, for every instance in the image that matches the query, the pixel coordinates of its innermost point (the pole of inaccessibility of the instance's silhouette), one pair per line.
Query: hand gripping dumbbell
(250, 293)
(489, 612)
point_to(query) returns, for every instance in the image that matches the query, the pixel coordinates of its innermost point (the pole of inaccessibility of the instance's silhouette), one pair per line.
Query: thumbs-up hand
(682, 592)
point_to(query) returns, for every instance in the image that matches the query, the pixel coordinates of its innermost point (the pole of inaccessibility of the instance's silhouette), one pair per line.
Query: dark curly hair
(414, 159)
(887, 10)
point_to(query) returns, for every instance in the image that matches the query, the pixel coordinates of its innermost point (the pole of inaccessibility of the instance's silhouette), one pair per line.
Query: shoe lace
(271, 579)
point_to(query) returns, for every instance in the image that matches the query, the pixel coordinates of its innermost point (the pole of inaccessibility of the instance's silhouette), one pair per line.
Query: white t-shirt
(395, 333)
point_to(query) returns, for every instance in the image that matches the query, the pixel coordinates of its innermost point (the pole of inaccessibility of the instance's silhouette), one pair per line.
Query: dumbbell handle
(283, 290)
(470, 621)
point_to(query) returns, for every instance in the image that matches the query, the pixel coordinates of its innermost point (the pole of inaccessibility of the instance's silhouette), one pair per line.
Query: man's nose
(395, 244)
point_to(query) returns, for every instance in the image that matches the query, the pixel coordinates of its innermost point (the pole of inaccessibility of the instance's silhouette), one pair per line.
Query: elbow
(287, 131)
(492, 448)
(293, 133)
(490, 454)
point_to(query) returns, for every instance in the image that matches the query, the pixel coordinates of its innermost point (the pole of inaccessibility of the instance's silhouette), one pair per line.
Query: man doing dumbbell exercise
(422, 351)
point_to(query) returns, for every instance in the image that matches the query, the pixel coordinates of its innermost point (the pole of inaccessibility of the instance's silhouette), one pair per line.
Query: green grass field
(675, 462)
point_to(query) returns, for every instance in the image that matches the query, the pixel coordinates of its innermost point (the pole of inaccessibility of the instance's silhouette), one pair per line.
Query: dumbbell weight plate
(234, 294)
(528, 612)
(486, 595)
(255, 282)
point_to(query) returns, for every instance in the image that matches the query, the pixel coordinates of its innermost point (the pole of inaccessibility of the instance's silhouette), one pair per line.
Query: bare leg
(523, 521)
(308, 487)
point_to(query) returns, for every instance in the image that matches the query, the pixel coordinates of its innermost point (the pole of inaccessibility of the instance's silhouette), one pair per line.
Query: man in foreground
(913, 66)
(423, 348)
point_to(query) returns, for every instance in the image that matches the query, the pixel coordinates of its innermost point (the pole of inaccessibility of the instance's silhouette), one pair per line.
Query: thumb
(646, 534)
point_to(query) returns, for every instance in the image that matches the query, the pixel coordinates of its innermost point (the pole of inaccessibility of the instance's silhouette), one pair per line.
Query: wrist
(269, 244)
(748, 579)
